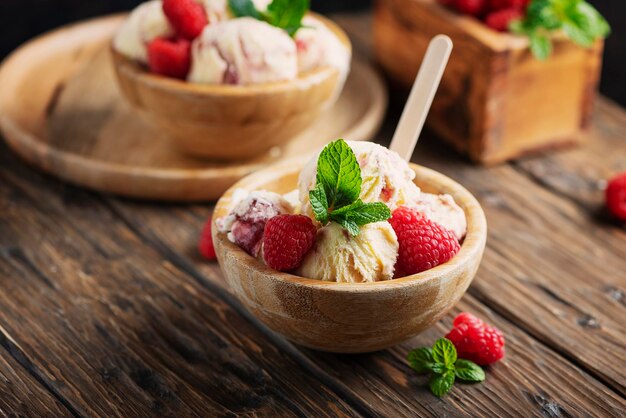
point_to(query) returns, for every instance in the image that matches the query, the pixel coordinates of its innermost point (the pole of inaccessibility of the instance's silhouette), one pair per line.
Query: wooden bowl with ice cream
(350, 317)
(231, 122)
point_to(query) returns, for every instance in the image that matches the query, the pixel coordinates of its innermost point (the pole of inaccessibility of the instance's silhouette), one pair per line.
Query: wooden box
(496, 100)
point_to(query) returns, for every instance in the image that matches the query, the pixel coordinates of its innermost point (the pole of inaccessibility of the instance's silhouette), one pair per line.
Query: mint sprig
(579, 20)
(335, 197)
(444, 367)
(284, 14)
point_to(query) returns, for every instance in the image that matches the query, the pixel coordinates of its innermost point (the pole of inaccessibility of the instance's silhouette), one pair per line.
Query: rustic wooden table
(107, 310)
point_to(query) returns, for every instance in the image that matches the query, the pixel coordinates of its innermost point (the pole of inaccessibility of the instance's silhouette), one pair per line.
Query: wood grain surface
(106, 308)
(61, 110)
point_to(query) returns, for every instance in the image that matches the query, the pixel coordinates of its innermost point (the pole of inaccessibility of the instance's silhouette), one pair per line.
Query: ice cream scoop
(386, 177)
(319, 46)
(245, 222)
(218, 10)
(144, 24)
(443, 210)
(243, 51)
(339, 257)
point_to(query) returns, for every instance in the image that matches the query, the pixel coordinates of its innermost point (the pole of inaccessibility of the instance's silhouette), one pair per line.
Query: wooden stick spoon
(421, 97)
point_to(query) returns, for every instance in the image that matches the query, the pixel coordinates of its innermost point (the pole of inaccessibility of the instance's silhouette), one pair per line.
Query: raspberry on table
(616, 196)
(286, 240)
(188, 17)
(423, 243)
(205, 243)
(500, 20)
(476, 340)
(171, 58)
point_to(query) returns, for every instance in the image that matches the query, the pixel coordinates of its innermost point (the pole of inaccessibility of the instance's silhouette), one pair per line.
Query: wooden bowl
(228, 122)
(350, 317)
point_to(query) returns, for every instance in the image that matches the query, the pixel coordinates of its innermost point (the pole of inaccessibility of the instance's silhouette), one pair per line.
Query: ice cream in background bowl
(247, 86)
(347, 294)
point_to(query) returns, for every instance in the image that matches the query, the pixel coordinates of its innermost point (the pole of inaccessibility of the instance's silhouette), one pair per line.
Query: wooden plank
(21, 394)
(117, 330)
(383, 380)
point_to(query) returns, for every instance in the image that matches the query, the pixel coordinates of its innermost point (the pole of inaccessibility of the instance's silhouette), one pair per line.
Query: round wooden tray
(60, 109)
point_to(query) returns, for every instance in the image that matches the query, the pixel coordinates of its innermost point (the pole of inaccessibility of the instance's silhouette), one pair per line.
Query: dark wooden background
(23, 19)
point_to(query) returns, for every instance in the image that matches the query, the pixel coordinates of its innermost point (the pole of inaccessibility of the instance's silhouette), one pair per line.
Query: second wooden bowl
(230, 122)
(347, 317)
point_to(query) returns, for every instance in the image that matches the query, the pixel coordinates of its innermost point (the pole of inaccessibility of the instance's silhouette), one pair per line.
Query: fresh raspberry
(170, 58)
(423, 243)
(495, 5)
(616, 196)
(186, 16)
(471, 7)
(500, 20)
(205, 244)
(476, 340)
(286, 240)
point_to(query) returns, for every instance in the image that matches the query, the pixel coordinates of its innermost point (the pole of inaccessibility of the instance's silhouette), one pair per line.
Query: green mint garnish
(442, 364)
(579, 20)
(338, 186)
(284, 14)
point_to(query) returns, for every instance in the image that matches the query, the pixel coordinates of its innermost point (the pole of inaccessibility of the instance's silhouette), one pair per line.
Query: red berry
(423, 243)
(205, 244)
(476, 340)
(616, 196)
(501, 19)
(186, 16)
(170, 58)
(286, 240)
(495, 5)
(471, 7)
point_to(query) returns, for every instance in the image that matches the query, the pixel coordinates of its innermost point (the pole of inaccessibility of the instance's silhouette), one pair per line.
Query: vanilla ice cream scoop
(243, 51)
(340, 257)
(386, 177)
(144, 24)
(245, 222)
(318, 46)
(443, 210)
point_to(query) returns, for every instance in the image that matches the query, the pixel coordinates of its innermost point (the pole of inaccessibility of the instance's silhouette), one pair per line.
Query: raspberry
(286, 240)
(471, 7)
(476, 340)
(205, 244)
(186, 16)
(616, 196)
(423, 243)
(500, 20)
(170, 58)
(495, 5)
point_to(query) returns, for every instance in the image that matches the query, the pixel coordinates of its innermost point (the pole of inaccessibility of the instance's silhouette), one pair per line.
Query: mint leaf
(287, 14)
(421, 359)
(444, 352)
(359, 214)
(439, 368)
(339, 173)
(469, 371)
(349, 225)
(540, 45)
(319, 203)
(244, 8)
(441, 384)
(284, 14)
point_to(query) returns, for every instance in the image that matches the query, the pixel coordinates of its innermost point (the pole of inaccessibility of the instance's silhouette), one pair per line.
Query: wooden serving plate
(61, 110)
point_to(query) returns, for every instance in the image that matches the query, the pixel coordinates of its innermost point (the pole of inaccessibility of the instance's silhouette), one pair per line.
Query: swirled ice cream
(242, 51)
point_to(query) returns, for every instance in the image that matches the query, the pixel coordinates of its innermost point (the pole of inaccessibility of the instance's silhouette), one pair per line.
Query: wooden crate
(496, 101)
